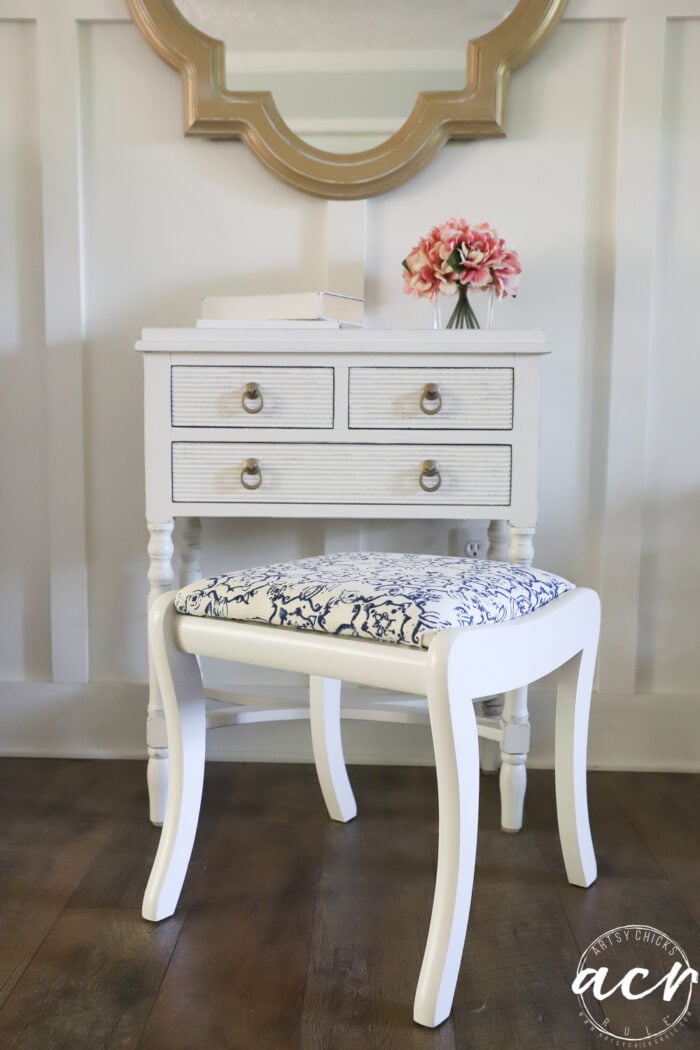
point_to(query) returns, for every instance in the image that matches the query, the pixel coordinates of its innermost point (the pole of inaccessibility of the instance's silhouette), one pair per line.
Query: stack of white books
(297, 309)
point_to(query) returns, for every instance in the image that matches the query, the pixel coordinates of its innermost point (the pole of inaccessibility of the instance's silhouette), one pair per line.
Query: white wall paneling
(112, 221)
(25, 645)
(668, 653)
(636, 227)
(58, 78)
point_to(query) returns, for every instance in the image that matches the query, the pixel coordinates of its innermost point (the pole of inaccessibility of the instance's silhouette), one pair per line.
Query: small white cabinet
(340, 423)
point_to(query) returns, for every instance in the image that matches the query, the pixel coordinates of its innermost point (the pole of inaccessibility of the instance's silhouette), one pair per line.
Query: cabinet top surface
(341, 340)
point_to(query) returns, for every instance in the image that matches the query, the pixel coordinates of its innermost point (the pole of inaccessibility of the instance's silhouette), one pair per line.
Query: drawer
(431, 398)
(251, 396)
(468, 475)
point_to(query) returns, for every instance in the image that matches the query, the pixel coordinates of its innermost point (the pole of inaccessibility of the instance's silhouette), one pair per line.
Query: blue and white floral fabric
(401, 598)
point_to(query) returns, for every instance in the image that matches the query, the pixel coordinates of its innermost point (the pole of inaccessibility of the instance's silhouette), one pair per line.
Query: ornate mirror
(234, 91)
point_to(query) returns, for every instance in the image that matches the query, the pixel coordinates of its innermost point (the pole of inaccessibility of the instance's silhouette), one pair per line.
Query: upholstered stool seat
(402, 598)
(450, 629)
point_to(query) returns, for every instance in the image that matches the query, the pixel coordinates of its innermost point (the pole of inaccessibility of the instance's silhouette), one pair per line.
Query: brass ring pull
(431, 399)
(251, 475)
(252, 399)
(430, 480)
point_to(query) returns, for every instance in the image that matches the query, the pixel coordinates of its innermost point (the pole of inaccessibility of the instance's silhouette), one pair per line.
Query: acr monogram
(644, 980)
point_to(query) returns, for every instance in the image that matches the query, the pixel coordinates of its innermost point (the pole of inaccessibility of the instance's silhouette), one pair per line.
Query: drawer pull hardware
(251, 475)
(430, 480)
(252, 399)
(431, 399)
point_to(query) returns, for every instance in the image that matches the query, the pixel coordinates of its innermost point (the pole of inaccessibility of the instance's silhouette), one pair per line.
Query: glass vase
(463, 315)
(490, 307)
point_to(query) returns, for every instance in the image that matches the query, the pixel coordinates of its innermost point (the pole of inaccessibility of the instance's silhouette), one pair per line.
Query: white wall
(112, 221)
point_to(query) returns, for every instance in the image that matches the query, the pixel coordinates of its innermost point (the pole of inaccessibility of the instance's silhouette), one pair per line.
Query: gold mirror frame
(477, 111)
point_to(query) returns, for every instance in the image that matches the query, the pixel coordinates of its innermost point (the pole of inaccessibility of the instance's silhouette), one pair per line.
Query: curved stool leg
(326, 740)
(456, 746)
(183, 701)
(573, 705)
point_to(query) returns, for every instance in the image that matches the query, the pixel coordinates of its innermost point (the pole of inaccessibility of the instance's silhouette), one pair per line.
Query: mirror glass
(345, 76)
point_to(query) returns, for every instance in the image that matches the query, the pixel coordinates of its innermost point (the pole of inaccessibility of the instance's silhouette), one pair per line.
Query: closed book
(207, 322)
(295, 306)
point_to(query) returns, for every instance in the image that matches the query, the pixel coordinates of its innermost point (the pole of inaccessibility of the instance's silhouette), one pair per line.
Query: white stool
(451, 629)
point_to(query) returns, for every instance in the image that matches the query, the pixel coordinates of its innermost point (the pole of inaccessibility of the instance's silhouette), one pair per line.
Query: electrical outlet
(467, 540)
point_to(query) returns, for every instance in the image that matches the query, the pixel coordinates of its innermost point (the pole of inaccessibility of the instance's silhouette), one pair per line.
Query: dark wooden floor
(295, 932)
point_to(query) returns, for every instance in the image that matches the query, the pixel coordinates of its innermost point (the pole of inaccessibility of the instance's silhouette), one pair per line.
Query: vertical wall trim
(637, 207)
(59, 132)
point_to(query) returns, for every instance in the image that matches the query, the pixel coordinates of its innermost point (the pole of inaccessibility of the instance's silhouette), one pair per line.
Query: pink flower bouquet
(456, 256)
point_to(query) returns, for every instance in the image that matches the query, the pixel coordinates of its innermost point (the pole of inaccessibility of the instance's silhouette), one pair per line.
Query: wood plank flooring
(295, 933)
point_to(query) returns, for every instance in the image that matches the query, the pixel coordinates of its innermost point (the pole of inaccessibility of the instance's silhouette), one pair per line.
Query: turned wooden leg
(183, 699)
(492, 707)
(515, 744)
(324, 710)
(515, 720)
(520, 546)
(453, 727)
(190, 547)
(489, 750)
(499, 538)
(160, 577)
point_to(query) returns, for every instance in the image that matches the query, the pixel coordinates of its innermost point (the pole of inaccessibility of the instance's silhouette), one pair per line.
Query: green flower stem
(463, 316)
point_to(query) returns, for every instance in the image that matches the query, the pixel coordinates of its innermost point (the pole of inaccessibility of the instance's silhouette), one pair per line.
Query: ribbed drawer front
(210, 472)
(470, 398)
(214, 396)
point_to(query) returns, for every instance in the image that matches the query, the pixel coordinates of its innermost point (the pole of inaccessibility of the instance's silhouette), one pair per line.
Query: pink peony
(426, 271)
(456, 252)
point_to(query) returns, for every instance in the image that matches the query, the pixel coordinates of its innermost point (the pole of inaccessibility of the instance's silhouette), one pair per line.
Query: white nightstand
(301, 422)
